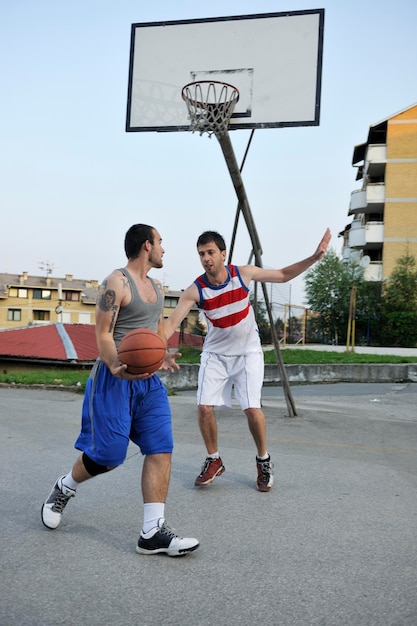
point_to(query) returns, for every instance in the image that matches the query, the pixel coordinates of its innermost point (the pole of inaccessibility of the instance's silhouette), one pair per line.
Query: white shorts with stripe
(218, 374)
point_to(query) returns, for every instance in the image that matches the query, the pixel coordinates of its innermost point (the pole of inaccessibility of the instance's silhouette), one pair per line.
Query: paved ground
(334, 543)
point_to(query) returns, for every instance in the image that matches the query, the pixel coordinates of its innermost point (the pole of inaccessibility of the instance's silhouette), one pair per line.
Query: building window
(42, 294)
(170, 303)
(41, 316)
(84, 318)
(15, 292)
(14, 315)
(73, 296)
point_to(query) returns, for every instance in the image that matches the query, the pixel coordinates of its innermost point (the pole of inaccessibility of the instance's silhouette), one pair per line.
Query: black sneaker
(265, 478)
(163, 539)
(54, 506)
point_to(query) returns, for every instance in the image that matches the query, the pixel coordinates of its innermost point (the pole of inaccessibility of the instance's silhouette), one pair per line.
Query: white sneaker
(54, 506)
(163, 539)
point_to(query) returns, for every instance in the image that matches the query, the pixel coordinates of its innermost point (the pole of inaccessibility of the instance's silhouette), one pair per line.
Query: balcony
(357, 235)
(369, 235)
(373, 271)
(374, 233)
(351, 255)
(376, 158)
(368, 200)
(346, 254)
(357, 201)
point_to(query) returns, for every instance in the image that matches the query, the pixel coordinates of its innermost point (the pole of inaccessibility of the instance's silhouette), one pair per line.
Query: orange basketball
(142, 350)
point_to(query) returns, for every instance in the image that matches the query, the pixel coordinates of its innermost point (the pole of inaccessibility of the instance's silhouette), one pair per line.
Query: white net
(210, 105)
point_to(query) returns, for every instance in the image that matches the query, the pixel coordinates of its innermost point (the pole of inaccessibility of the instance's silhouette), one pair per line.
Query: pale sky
(73, 181)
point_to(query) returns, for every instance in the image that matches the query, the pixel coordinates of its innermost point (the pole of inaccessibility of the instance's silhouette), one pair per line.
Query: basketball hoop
(210, 105)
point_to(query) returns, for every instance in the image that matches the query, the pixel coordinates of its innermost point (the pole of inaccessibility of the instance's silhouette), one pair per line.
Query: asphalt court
(332, 544)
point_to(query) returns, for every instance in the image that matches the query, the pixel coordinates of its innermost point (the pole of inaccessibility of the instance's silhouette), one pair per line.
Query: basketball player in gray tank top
(120, 407)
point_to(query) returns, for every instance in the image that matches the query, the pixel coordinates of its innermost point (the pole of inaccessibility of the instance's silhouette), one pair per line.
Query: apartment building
(28, 300)
(384, 208)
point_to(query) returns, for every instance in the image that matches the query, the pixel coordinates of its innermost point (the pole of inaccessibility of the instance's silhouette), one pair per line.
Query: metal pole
(230, 158)
(232, 241)
(229, 155)
(292, 411)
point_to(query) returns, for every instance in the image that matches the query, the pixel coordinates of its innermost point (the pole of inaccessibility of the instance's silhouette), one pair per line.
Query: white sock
(215, 455)
(263, 458)
(69, 481)
(152, 513)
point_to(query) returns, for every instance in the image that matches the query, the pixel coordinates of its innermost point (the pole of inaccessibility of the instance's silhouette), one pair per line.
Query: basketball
(142, 350)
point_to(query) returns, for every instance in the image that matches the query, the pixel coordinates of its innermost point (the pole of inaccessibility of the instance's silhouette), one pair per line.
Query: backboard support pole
(235, 174)
(235, 84)
(235, 225)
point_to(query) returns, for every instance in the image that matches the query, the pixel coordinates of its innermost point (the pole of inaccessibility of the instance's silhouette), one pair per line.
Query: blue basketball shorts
(117, 411)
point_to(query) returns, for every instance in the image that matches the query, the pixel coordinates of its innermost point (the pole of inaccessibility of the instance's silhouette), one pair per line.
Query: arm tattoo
(113, 318)
(106, 299)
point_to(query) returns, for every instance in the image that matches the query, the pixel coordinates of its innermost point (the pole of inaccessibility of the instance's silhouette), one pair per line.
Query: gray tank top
(138, 314)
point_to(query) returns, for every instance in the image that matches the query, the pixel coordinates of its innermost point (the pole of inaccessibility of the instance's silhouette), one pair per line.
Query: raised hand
(323, 245)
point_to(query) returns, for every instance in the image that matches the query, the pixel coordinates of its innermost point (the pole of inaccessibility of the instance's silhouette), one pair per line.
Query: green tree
(294, 329)
(400, 303)
(262, 319)
(328, 287)
(279, 327)
(199, 328)
(369, 329)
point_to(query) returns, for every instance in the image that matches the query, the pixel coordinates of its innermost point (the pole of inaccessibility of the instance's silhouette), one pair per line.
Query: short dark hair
(136, 237)
(211, 236)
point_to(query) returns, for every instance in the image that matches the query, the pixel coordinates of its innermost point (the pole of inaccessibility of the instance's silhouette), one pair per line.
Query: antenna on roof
(46, 266)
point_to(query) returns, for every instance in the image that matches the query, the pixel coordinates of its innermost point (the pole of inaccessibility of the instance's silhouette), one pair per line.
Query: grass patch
(309, 357)
(77, 378)
(316, 357)
(189, 355)
(60, 377)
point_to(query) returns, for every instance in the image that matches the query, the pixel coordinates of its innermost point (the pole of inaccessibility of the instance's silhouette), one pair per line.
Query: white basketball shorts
(218, 374)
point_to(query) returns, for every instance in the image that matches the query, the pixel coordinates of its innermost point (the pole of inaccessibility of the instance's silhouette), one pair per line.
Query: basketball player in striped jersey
(232, 355)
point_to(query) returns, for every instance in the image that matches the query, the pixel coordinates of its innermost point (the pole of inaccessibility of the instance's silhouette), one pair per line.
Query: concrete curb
(186, 377)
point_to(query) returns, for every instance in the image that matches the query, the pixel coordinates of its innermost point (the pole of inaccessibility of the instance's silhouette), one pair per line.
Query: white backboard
(274, 59)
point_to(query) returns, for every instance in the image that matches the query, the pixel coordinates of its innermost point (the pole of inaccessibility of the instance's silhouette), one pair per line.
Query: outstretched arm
(188, 299)
(251, 272)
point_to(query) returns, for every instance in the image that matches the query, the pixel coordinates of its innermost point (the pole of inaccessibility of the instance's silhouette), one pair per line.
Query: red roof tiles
(63, 342)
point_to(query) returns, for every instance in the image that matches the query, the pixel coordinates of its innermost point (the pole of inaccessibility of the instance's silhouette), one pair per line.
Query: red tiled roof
(63, 342)
(84, 339)
(195, 341)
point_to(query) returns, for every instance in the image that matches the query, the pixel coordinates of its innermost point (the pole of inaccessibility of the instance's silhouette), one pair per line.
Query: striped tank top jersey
(231, 325)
